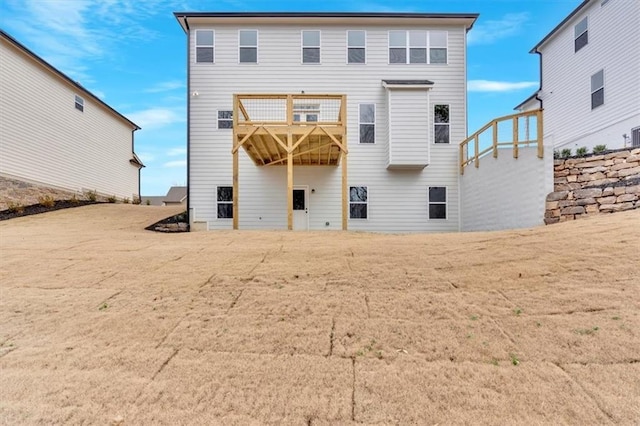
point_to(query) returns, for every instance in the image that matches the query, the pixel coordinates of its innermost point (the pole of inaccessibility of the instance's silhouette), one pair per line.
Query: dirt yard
(102, 322)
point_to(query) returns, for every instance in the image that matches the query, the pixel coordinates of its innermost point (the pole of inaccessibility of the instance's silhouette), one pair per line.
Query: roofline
(328, 15)
(533, 96)
(64, 76)
(560, 25)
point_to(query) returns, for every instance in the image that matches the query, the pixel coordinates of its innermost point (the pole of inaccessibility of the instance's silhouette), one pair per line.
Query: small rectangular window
(367, 123)
(358, 202)
(437, 202)
(438, 47)
(205, 46)
(225, 119)
(311, 47)
(441, 123)
(635, 137)
(356, 47)
(581, 34)
(79, 103)
(248, 46)
(225, 202)
(597, 89)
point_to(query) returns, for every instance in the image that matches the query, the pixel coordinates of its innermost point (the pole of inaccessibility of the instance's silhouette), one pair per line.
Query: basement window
(225, 202)
(205, 46)
(79, 103)
(581, 34)
(437, 202)
(358, 202)
(597, 89)
(225, 119)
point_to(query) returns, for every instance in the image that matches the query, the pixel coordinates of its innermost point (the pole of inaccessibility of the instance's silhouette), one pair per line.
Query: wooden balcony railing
(522, 126)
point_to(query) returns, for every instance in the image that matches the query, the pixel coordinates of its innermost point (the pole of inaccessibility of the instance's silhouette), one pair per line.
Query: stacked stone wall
(594, 184)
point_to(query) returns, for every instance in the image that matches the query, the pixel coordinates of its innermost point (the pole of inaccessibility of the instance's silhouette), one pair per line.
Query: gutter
(535, 50)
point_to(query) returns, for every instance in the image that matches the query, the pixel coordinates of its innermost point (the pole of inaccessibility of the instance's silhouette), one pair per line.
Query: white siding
(44, 139)
(506, 193)
(408, 127)
(398, 198)
(614, 37)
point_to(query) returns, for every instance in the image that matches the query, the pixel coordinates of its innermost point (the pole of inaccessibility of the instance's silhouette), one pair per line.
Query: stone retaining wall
(594, 184)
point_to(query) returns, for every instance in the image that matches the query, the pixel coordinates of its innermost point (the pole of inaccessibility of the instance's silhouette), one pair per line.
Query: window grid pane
(417, 56)
(311, 38)
(437, 56)
(367, 119)
(225, 202)
(397, 55)
(249, 38)
(356, 38)
(248, 55)
(418, 39)
(437, 202)
(311, 55)
(356, 55)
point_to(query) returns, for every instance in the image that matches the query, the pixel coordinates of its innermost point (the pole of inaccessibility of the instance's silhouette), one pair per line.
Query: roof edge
(560, 25)
(533, 96)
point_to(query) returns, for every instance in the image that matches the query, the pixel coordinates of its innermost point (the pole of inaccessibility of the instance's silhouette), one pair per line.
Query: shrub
(111, 199)
(46, 201)
(582, 151)
(148, 202)
(125, 200)
(598, 149)
(74, 199)
(556, 155)
(15, 207)
(136, 200)
(91, 195)
(565, 153)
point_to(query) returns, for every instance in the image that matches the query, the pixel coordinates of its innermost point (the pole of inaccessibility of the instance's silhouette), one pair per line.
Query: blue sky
(131, 54)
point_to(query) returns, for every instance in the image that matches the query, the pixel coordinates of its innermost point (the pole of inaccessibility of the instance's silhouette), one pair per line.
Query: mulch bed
(177, 223)
(39, 208)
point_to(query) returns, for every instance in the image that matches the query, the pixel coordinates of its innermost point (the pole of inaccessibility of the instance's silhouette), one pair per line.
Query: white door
(300, 208)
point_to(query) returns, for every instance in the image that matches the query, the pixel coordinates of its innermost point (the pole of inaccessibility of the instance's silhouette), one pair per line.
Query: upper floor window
(356, 47)
(204, 45)
(581, 34)
(597, 89)
(225, 119)
(438, 47)
(358, 202)
(248, 46)
(437, 202)
(79, 103)
(311, 47)
(367, 123)
(441, 123)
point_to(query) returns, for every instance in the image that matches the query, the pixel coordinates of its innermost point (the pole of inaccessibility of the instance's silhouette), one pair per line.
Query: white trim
(224, 202)
(375, 117)
(195, 41)
(356, 47)
(359, 202)
(302, 47)
(434, 124)
(256, 47)
(446, 202)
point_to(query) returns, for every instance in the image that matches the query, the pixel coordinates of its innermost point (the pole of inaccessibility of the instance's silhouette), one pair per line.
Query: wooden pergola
(287, 129)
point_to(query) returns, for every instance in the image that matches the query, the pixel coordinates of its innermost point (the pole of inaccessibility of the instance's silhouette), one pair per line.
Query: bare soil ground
(102, 322)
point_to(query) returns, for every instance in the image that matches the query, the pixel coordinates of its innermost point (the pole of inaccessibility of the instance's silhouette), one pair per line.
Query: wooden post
(462, 145)
(476, 145)
(540, 134)
(515, 137)
(289, 110)
(495, 139)
(289, 181)
(234, 196)
(345, 187)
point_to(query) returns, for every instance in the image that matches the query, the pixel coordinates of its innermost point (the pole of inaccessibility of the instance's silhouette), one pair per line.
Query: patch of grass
(15, 207)
(565, 153)
(514, 359)
(74, 199)
(538, 324)
(103, 306)
(91, 195)
(598, 149)
(46, 201)
(494, 362)
(111, 199)
(517, 311)
(582, 151)
(616, 318)
(587, 331)
(473, 317)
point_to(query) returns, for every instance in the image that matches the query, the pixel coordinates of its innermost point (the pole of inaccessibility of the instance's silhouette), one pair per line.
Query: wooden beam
(336, 141)
(234, 196)
(244, 111)
(495, 139)
(277, 139)
(298, 154)
(302, 138)
(289, 110)
(289, 183)
(475, 152)
(244, 139)
(515, 137)
(462, 147)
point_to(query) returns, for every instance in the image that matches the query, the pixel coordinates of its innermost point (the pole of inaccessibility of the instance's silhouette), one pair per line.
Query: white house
(55, 133)
(589, 77)
(325, 120)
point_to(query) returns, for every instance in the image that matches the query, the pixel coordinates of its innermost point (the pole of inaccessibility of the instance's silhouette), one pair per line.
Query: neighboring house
(590, 68)
(56, 133)
(335, 120)
(176, 196)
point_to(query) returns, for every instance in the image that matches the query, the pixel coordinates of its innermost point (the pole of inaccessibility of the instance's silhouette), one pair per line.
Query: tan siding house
(55, 133)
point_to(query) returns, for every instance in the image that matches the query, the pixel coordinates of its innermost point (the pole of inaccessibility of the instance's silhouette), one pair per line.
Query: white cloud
(176, 163)
(146, 157)
(174, 152)
(154, 118)
(499, 86)
(166, 86)
(487, 32)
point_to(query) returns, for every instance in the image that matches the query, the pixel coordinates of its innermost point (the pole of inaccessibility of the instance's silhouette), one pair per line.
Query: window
(581, 34)
(441, 123)
(437, 202)
(397, 47)
(635, 137)
(225, 119)
(367, 123)
(225, 202)
(248, 46)
(597, 89)
(417, 47)
(306, 112)
(438, 47)
(311, 47)
(79, 103)
(358, 202)
(356, 47)
(204, 46)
